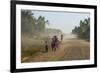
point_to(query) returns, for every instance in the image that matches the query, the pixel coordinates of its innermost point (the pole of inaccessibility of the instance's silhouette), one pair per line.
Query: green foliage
(30, 25)
(30, 46)
(83, 30)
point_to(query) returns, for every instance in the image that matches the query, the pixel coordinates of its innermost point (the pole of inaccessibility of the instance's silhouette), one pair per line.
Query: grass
(70, 49)
(31, 46)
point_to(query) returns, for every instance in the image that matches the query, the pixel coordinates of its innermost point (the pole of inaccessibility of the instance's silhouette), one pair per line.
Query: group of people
(54, 43)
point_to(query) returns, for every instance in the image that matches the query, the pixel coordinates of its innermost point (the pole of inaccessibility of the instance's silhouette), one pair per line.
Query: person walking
(46, 46)
(61, 37)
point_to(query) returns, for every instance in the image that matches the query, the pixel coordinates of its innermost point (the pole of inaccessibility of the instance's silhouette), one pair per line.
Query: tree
(27, 22)
(41, 23)
(30, 25)
(83, 30)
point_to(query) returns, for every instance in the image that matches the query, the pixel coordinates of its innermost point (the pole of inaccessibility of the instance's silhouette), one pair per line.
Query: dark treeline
(83, 30)
(30, 25)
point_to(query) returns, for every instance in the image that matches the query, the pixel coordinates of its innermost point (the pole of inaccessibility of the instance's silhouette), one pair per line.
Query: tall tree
(83, 30)
(27, 21)
(41, 23)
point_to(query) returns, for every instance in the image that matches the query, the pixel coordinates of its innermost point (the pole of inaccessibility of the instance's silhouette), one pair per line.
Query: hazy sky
(65, 21)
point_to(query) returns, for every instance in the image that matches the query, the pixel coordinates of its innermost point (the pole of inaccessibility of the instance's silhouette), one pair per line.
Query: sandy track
(70, 49)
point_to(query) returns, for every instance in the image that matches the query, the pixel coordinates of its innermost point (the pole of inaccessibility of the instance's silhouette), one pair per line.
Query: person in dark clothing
(61, 37)
(46, 46)
(54, 43)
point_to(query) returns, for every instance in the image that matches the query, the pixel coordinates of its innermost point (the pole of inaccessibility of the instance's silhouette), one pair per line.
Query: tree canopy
(30, 25)
(83, 30)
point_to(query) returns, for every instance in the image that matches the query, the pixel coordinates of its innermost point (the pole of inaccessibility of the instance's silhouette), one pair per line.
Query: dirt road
(70, 49)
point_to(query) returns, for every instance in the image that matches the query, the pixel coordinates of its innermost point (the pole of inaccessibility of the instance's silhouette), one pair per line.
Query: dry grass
(30, 46)
(70, 49)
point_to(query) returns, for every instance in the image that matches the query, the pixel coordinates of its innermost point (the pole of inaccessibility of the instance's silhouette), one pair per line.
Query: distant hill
(49, 32)
(52, 31)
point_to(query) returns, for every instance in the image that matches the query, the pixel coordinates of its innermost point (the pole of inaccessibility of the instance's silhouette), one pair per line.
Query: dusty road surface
(69, 49)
